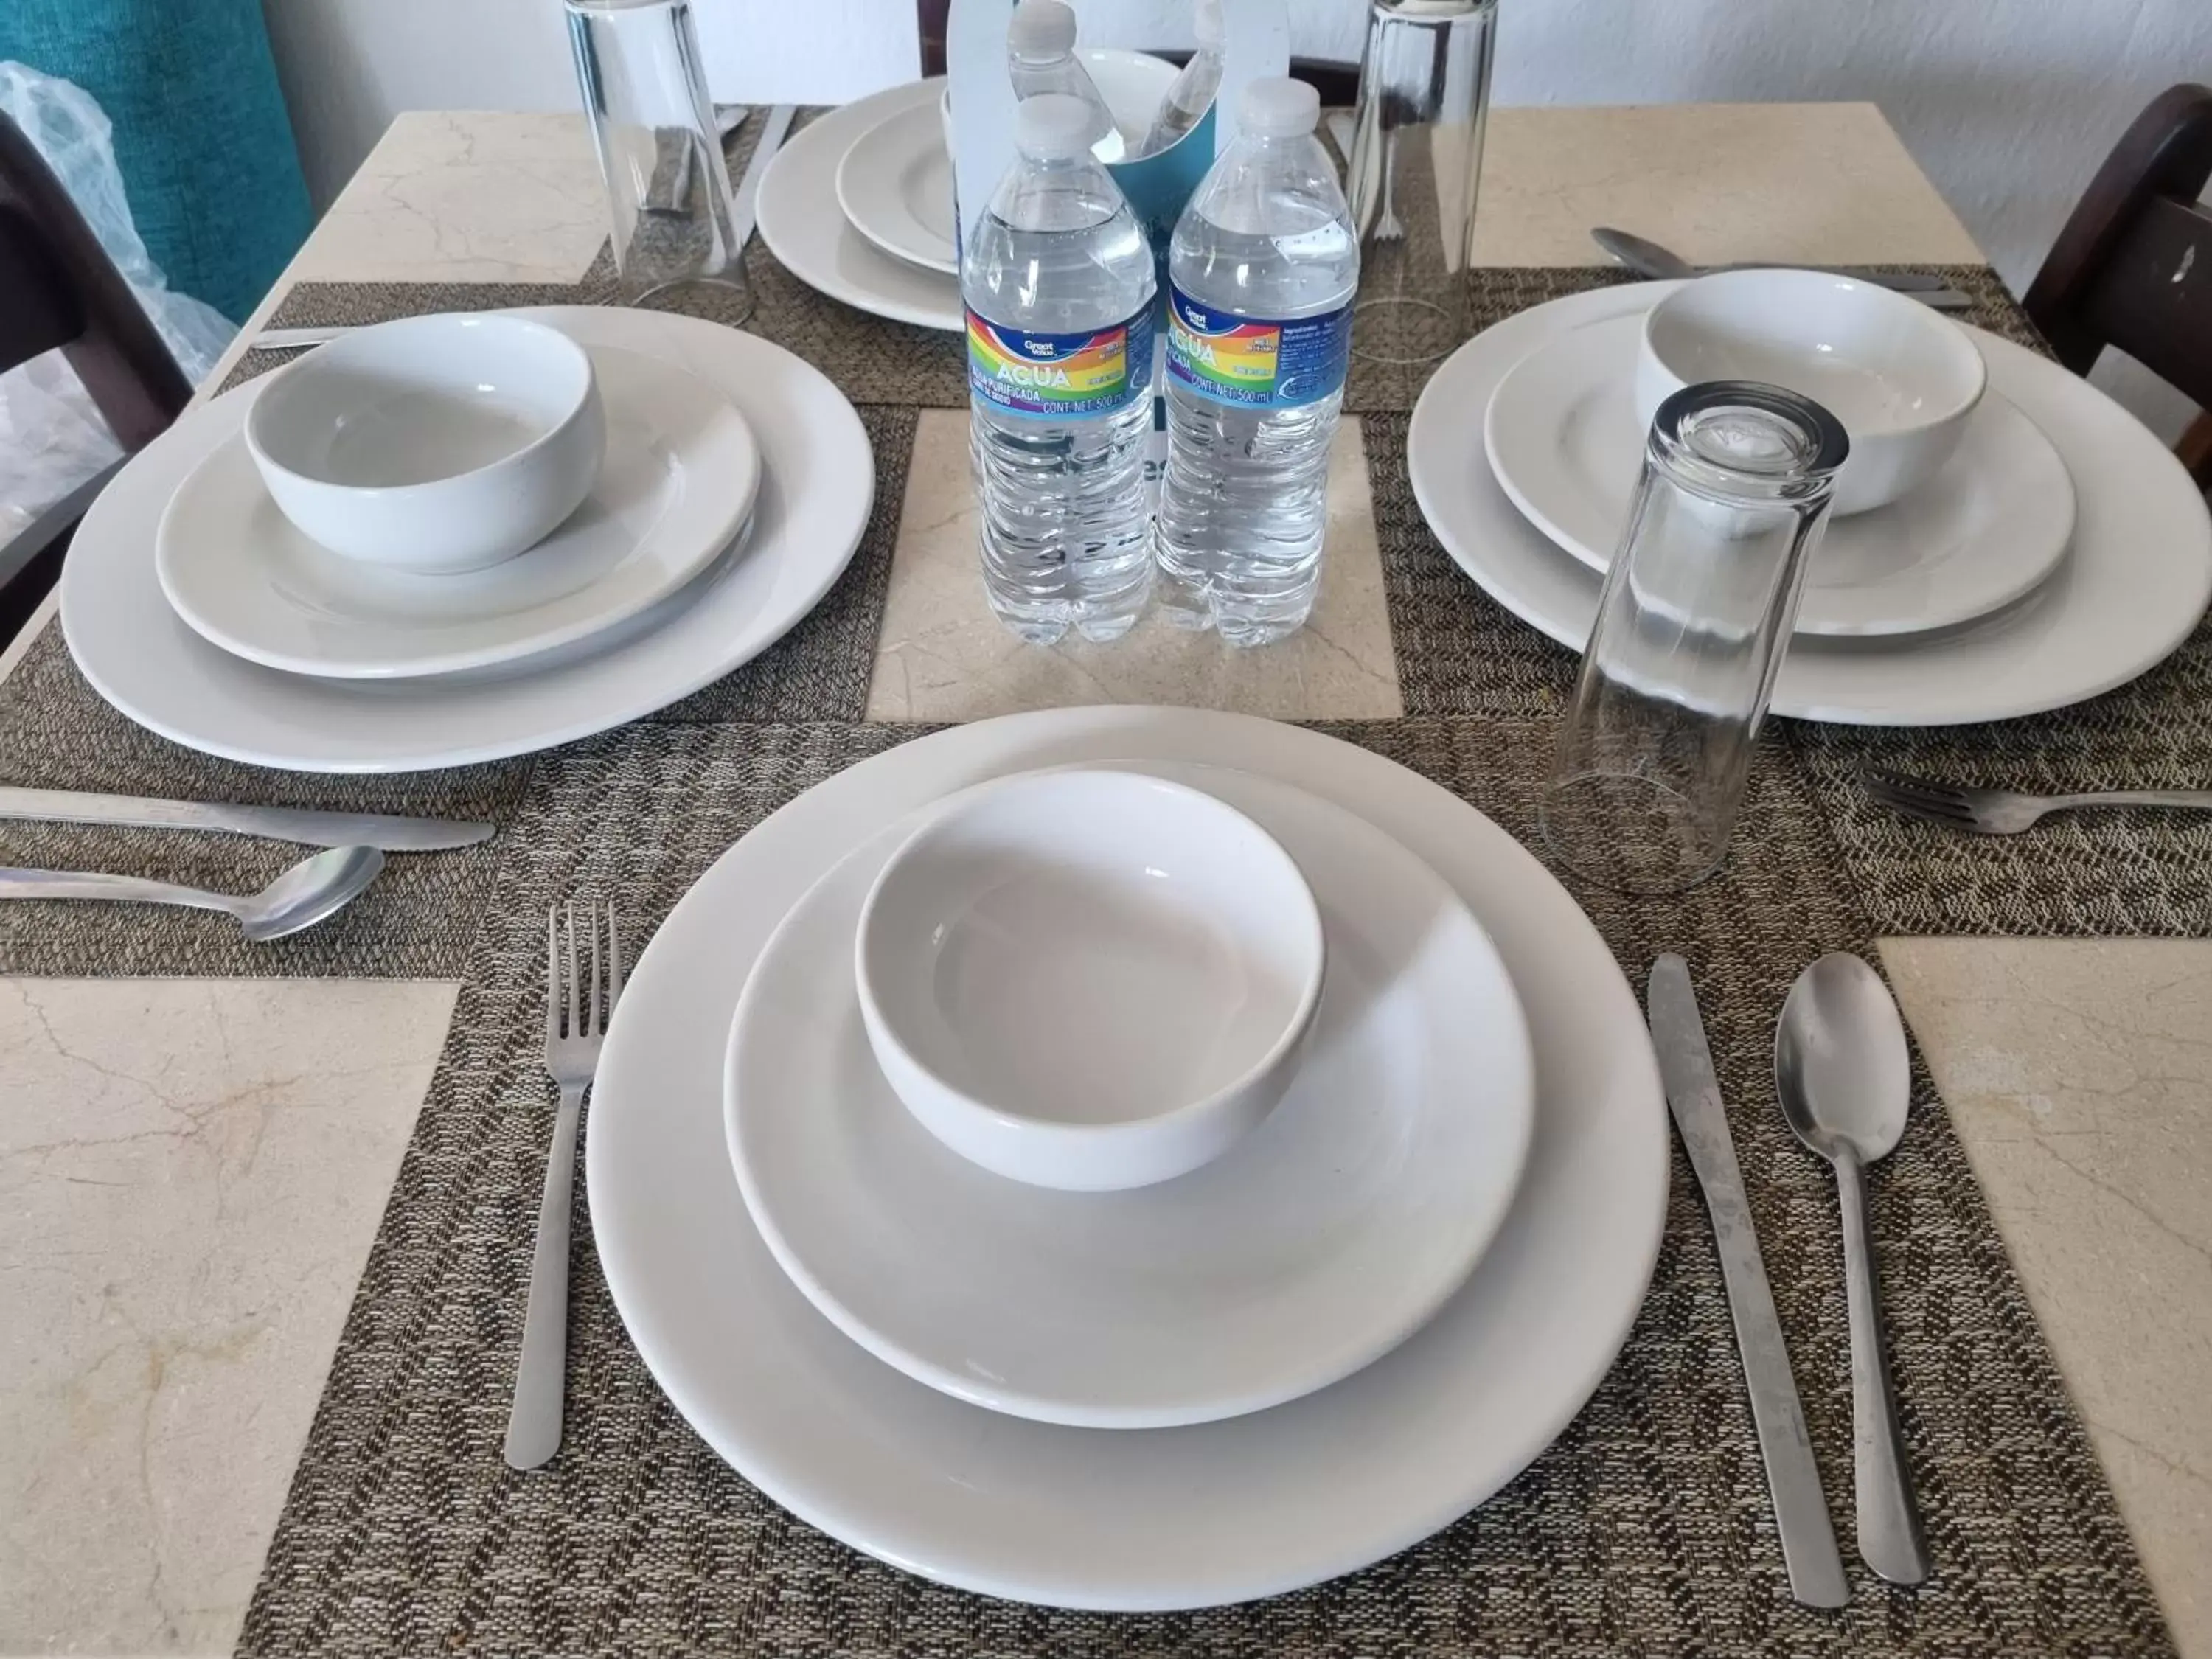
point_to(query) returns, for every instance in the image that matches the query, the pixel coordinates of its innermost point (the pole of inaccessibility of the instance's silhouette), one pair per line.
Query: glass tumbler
(1416, 159)
(1695, 612)
(668, 190)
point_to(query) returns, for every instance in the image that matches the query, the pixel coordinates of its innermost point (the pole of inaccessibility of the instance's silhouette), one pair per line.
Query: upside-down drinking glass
(1416, 158)
(668, 190)
(1691, 628)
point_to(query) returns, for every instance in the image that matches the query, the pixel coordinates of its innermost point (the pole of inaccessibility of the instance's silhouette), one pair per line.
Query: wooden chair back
(60, 292)
(2133, 266)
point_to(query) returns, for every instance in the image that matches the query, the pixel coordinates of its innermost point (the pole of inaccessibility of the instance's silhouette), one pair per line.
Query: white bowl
(1902, 379)
(1132, 83)
(1088, 979)
(433, 444)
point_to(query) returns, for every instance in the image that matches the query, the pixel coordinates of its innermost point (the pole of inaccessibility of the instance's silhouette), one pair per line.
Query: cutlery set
(313, 891)
(1843, 1076)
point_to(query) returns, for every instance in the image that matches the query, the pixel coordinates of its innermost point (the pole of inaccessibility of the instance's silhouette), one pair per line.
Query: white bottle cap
(1054, 126)
(1211, 31)
(1042, 29)
(1278, 107)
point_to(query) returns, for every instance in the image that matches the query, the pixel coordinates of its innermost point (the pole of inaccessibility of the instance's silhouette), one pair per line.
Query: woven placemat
(1645, 1529)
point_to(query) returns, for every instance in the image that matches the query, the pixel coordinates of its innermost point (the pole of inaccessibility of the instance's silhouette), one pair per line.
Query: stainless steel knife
(764, 150)
(311, 829)
(1693, 1095)
(285, 340)
(1648, 258)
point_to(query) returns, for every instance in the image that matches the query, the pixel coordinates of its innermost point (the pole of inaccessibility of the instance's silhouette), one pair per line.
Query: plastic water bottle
(1262, 268)
(1193, 88)
(1059, 289)
(1041, 58)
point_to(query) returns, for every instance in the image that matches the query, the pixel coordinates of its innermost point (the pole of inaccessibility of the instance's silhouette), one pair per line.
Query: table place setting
(735, 484)
(1144, 1178)
(2061, 551)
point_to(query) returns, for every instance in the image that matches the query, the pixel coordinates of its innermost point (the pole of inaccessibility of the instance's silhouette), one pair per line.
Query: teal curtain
(201, 135)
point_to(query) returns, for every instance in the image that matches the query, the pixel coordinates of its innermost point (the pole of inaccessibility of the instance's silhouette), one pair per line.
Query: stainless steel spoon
(310, 890)
(1842, 1071)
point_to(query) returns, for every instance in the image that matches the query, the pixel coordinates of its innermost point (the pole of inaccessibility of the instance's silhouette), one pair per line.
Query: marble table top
(191, 1173)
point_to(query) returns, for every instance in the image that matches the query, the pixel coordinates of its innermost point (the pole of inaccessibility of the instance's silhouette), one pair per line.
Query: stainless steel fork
(2002, 811)
(575, 1025)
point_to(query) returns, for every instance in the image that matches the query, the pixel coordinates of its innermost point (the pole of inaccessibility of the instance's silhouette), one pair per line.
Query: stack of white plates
(736, 485)
(1361, 1320)
(891, 249)
(2062, 551)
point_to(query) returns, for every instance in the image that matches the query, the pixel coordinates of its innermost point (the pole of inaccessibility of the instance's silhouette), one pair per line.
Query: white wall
(2009, 105)
(348, 66)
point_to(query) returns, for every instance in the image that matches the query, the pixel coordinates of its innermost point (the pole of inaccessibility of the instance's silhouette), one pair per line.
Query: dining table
(265, 1211)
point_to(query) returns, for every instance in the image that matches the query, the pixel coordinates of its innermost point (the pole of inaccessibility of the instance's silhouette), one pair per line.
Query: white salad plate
(817, 482)
(679, 478)
(1314, 1244)
(2132, 586)
(1564, 440)
(821, 247)
(1143, 1518)
(895, 184)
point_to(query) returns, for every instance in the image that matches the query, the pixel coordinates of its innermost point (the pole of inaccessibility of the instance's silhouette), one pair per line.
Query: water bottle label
(1060, 377)
(1253, 362)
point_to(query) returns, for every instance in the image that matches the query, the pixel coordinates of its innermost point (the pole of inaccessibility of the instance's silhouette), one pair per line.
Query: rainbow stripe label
(1253, 362)
(1060, 377)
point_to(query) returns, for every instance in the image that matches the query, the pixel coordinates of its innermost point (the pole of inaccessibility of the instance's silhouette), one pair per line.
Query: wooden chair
(59, 291)
(2133, 266)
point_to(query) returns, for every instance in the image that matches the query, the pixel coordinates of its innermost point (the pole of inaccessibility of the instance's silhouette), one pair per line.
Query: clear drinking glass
(1695, 612)
(1416, 159)
(668, 190)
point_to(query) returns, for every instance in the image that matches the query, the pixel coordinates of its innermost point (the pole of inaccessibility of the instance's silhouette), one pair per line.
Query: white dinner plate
(680, 477)
(1315, 1245)
(2133, 586)
(1563, 438)
(817, 484)
(1144, 1518)
(896, 186)
(801, 224)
